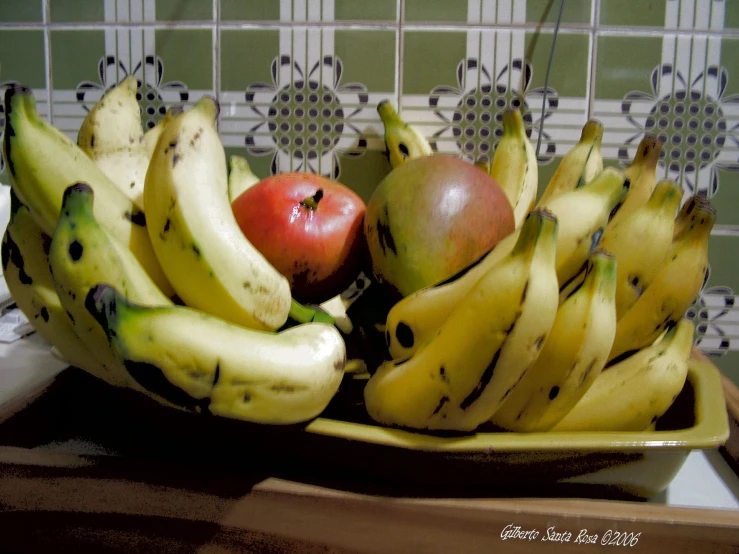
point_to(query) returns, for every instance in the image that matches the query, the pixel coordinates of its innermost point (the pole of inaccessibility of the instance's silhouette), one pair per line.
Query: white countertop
(704, 481)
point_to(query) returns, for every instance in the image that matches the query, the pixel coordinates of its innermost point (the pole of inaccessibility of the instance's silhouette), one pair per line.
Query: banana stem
(304, 314)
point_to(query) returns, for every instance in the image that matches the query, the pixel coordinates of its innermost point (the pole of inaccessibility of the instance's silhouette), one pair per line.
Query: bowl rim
(711, 429)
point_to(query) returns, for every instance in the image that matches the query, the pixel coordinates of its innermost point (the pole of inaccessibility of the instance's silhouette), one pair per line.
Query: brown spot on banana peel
(44, 313)
(196, 136)
(137, 217)
(539, 342)
(487, 374)
(75, 250)
(151, 378)
(175, 159)
(404, 335)
(440, 405)
(11, 253)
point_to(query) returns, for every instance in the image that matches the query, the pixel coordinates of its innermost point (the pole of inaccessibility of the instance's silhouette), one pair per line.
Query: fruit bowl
(343, 448)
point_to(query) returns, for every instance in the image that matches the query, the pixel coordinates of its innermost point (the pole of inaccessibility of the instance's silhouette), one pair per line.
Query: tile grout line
(216, 62)
(592, 67)
(46, 15)
(618, 30)
(399, 63)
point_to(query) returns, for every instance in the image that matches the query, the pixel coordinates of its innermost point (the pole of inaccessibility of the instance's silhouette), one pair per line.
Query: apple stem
(311, 202)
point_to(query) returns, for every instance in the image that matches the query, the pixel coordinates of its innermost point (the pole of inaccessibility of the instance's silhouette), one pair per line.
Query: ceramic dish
(639, 464)
(80, 414)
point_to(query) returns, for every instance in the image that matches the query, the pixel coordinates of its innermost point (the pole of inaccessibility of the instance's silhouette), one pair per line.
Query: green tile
(72, 11)
(569, 72)
(22, 57)
(624, 64)
(177, 10)
(436, 10)
(377, 10)
(250, 10)
(546, 170)
(724, 272)
(444, 49)
(545, 11)
(363, 173)
(728, 364)
(730, 61)
(194, 69)
(376, 72)
(75, 56)
(14, 11)
(238, 70)
(633, 13)
(727, 196)
(731, 15)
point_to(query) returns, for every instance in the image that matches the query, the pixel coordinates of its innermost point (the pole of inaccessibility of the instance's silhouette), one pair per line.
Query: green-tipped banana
(209, 261)
(25, 265)
(402, 140)
(112, 136)
(633, 394)
(579, 166)
(514, 166)
(642, 172)
(204, 363)
(152, 135)
(672, 291)
(573, 355)
(81, 255)
(460, 376)
(42, 162)
(240, 177)
(641, 241)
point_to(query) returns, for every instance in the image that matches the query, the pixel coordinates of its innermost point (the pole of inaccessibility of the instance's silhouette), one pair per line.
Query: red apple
(309, 228)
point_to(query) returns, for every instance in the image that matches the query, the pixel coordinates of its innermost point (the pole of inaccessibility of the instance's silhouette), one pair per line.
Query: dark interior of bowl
(82, 415)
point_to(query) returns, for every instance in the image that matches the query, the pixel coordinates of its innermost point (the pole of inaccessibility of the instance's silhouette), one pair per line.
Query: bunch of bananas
(123, 252)
(572, 322)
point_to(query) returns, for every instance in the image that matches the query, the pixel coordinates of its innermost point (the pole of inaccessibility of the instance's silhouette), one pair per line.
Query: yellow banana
(402, 140)
(673, 290)
(43, 162)
(211, 264)
(633, 394)
(458, 378)
(204, 363)
(240, 177)
(582, 215)
(514, 166)
(112, 136)
(641, 241)
(26, 271)
(686, 214)
(81, 255)
(583, 162)
(573, 355)
(642, 172)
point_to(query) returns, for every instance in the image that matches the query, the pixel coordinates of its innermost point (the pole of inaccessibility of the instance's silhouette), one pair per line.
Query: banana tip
(79, 187)
(13, 90)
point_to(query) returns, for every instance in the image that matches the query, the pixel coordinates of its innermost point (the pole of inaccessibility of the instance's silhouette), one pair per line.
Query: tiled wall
(298, 82)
